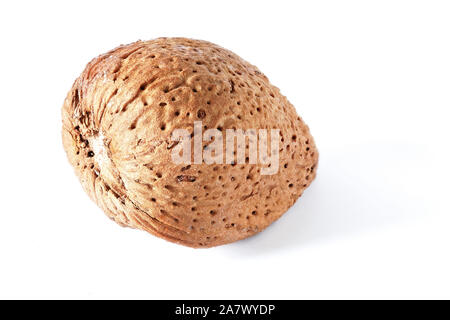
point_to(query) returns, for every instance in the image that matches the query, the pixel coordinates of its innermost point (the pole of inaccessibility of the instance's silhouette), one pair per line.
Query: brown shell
(117, 124)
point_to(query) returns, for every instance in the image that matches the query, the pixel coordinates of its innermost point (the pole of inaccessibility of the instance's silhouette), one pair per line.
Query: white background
(371, 79)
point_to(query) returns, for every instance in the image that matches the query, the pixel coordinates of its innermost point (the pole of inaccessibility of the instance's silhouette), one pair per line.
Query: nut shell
(117, 124)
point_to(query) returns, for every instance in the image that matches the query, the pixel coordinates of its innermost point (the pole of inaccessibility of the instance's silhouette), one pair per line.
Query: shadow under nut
(117, 124)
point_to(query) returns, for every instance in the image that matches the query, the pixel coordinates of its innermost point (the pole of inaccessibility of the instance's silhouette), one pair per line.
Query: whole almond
(118, 121)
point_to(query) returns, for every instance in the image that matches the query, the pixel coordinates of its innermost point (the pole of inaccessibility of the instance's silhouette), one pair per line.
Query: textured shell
(117, 124)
